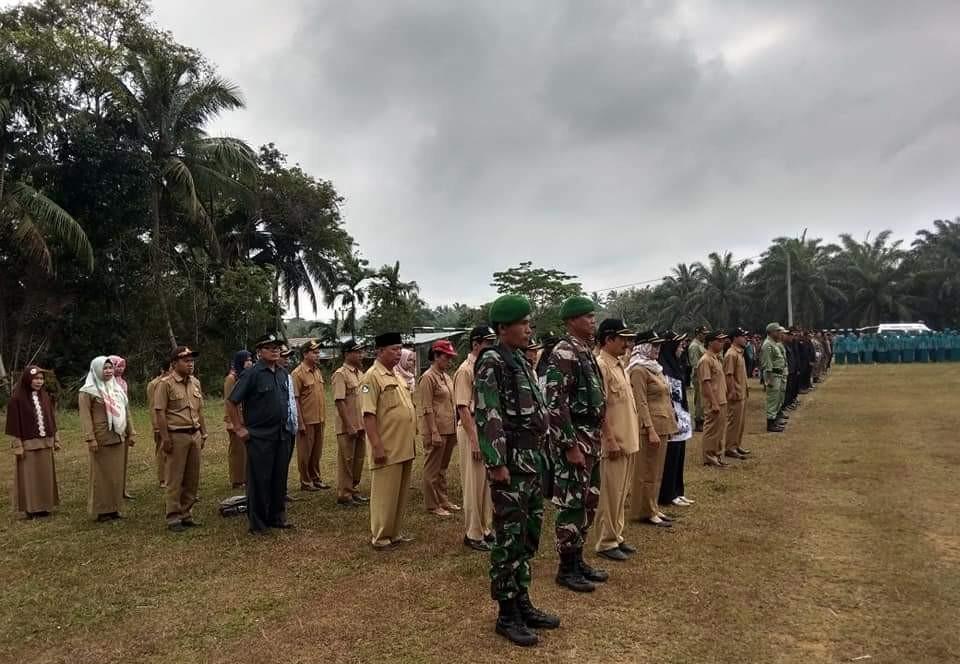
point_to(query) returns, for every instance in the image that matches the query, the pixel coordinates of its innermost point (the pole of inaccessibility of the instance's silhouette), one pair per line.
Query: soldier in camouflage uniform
(511, 417)
(575, 400)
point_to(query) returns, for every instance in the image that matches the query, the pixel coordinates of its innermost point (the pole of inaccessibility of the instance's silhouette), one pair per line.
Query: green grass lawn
(839, 539)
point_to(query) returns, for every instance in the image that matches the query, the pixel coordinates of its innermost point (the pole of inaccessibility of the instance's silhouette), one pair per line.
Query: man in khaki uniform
(311, 402)
(694, 352)
(477, 504)
(620, 441)
(713, 391)
(178, 404)
(350, 437)
(158, 448)
(735, 370)
(390, 421)
(439, 429)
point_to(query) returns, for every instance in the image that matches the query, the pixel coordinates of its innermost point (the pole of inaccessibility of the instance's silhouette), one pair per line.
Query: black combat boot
(533, 617)
(510, 625)
(570, 576)
(773, 427)
(590, 573)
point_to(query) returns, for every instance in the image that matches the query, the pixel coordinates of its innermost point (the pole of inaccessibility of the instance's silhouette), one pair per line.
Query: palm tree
(348, 292)
(811, 286)
(935, 263)
(164, 93)
(873, 276)
(722, 292)
(394, 303)
(676, 294)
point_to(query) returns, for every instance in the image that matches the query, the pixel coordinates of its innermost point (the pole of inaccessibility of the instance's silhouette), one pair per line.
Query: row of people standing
(891, 347)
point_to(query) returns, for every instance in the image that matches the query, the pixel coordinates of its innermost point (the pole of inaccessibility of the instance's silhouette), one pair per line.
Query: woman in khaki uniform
(107, 429)
(657, 422)
(237, 451)
(439, 429)
(32, 424)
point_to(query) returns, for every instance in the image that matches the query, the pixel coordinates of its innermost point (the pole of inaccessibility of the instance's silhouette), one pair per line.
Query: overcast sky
(608, 139)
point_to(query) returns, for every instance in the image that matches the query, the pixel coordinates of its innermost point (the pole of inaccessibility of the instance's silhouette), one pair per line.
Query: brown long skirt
(35, 482)
(237, 459)
(106, 479)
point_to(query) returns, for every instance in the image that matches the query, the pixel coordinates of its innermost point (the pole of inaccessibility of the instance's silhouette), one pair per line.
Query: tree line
(125, 227)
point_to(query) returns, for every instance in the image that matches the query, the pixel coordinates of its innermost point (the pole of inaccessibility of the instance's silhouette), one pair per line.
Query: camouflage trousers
(517, 520)
(576, 494)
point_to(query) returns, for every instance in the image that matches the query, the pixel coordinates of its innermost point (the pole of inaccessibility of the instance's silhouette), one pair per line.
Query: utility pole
(789, 292)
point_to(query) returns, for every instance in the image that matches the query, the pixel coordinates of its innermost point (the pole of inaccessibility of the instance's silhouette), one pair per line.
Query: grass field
(836, 541)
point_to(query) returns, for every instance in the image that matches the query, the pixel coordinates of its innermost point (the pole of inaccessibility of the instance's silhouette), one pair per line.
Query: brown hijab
(23, 419)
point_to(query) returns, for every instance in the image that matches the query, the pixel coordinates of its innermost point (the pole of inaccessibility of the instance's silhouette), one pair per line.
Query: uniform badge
(365, 389)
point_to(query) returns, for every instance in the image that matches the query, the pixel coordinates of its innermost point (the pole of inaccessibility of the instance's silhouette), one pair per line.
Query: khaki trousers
(350, 453)
(714, 428)
(183, 475)
(616, 478)
(309, 451)
(736, 421)
(435, 473)
(389, 486)
(161, 458)
(647, 477)
(477, 504)
(237, 460)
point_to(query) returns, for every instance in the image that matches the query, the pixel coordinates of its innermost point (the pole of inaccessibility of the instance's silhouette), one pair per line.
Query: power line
(653, 281)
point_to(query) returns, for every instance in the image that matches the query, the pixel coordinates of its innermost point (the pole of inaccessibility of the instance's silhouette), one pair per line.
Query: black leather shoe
(348, 502)
(177, 527)
(360, 499)
(533, 617)
(190, 523)
(510, 625)
(590, 573)
(570, 576)
(743, 451)
(627, 549)
(286, 525)
(773, 427)
(615, 553)
(658, 524)
(476, 545)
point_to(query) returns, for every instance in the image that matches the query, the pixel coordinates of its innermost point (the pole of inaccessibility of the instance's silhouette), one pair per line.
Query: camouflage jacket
(575, 396)
(511, 412)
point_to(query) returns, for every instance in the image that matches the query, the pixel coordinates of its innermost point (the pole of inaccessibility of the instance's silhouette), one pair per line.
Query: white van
(898, 328)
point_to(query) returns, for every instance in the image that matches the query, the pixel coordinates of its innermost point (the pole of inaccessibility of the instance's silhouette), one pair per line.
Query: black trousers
(672, 485)
(268, 462)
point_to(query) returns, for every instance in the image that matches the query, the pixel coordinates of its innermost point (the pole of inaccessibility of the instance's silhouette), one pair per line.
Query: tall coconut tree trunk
(276, 299)
(156, 259)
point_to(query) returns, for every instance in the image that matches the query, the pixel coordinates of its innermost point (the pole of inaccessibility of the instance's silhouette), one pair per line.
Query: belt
(189, 431)
(524, 440)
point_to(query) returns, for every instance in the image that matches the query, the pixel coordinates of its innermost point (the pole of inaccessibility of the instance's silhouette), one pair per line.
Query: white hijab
(109, 392)
(640, 357)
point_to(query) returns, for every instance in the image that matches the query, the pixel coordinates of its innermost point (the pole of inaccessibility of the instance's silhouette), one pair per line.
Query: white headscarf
(641, 357)
(407, 376)
(109, 392)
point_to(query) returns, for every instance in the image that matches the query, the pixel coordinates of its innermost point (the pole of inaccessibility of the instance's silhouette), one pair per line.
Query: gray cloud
(610, 139)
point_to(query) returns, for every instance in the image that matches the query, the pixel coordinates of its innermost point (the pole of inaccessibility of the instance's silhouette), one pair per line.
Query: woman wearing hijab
(237, 451)
(119, 368)
(32, 424)
(657, 424)
(108, 431)
(406, 368)
(671, 488)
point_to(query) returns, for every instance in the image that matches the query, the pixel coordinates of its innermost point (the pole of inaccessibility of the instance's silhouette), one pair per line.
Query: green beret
(576, 306)
(773, 327)
(509, 309)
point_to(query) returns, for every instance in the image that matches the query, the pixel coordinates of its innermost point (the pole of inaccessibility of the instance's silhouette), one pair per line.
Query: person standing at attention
(350, 436)
(236, 450)
(713, 388)
(390, 421)
(477, 504)
(263, 392)
(620, 442)
(439, 428)
(312, 406)
(178, 403)
(735, 370)
(32, 424)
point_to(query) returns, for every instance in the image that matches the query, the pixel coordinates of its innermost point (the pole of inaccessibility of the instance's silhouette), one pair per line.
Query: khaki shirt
(734, 365)
(95, 425)
(383, 394)
(621, 404)
(712, 383)
(435, 390)
(308, 389)
(346, 387)
(228, 384)
(151, 390)
(654, 404)
(181, 399)
(463, 394)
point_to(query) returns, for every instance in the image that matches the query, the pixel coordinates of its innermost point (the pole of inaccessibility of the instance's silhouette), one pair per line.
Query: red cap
(445, 347)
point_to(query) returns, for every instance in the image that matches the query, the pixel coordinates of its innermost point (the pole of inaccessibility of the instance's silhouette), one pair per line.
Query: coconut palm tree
(675, 295)
(935, 263)
(722, 291)
(348, 292)
(168, 98)
(872, 274)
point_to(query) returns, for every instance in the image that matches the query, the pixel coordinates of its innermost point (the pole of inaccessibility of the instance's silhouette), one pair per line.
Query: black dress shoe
(360, 499)
(615, 553)
(101, 518)
(323, 486)
(259, 532)
(476, 545)
(658, 524)
(743, 451)
(190, 523)
(286, 525)
(627, 549)
(347, 502)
